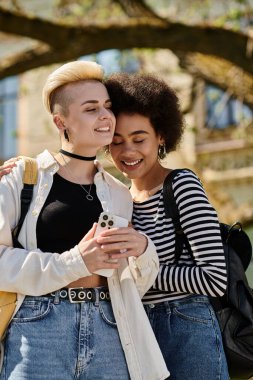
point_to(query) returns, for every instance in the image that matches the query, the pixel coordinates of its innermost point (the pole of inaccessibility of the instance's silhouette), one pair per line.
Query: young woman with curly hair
(150, 125)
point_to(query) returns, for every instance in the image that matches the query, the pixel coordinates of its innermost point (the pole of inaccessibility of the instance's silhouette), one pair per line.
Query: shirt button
(46, 185)
(35, 213)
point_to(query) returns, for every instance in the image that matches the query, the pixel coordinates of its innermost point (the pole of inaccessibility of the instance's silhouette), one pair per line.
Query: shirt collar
(46, 160)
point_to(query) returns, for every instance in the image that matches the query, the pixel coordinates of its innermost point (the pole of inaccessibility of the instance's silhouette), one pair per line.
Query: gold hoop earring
(162, 151)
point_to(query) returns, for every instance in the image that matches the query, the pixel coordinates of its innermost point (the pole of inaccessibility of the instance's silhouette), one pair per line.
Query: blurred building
(217, 143)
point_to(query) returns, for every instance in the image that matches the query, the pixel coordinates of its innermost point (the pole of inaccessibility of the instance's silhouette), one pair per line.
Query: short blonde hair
(68, 73)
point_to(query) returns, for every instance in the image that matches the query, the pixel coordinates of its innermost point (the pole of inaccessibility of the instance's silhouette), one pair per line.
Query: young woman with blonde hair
(71, 322)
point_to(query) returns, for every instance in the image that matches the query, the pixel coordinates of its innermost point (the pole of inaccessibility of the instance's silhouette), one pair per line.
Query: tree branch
(33, 27)
(75, 41)
(137, 8)
(31, 59)
(220, 73)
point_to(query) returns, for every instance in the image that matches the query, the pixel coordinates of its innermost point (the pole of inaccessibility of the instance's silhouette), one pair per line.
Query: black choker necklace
(69, 154)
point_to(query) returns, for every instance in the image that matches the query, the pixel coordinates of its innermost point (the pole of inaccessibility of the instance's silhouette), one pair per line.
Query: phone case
(107, 221)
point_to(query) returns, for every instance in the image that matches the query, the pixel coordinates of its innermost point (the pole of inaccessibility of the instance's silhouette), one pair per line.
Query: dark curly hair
(149, 96)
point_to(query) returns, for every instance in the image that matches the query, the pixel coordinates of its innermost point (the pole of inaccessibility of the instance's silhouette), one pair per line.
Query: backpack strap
(30, 177)
(171, 211)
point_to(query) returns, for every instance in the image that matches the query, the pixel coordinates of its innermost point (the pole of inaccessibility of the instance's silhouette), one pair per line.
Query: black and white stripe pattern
(206, 274)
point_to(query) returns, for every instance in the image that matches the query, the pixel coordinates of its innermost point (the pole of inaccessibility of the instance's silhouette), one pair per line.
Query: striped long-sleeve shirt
(203, 271)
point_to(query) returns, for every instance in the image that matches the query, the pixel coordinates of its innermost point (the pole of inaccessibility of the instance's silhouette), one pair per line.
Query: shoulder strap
(30, 177)
(171, 211)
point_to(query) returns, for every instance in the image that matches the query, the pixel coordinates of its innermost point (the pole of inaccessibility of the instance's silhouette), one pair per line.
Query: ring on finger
(124, 250)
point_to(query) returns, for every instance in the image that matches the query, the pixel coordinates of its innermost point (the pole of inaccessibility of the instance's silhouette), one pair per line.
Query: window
(224, 111)
(8, 117)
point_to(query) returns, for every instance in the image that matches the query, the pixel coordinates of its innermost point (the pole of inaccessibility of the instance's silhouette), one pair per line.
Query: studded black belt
(75, 295)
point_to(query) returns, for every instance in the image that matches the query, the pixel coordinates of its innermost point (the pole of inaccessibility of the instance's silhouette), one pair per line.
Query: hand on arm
(138, 249)
(122, 242)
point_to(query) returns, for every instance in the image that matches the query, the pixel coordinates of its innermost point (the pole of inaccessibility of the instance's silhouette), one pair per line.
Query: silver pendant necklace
(88, 196)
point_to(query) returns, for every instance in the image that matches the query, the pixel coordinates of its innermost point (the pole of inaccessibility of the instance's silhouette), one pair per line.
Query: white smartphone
(105, 222)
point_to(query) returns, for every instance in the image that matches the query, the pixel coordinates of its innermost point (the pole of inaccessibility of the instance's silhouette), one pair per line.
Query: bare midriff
(92, 281)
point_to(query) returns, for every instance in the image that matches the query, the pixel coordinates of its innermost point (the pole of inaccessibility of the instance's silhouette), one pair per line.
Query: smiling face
(134, 148)
(86, 115)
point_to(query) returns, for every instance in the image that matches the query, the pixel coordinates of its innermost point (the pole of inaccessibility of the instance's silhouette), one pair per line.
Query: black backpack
(234, 310)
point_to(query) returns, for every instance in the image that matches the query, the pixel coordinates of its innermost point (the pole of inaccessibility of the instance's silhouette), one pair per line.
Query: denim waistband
(182, 301)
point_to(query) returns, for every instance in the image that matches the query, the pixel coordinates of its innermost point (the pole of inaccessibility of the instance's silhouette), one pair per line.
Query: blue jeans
(52, 339)
(189, 336)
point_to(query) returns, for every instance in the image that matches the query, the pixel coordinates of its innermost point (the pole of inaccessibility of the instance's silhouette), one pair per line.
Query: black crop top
(66, 215)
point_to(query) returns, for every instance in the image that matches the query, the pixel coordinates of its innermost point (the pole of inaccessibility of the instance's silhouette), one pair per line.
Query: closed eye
(116, 142)
(90, 110)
